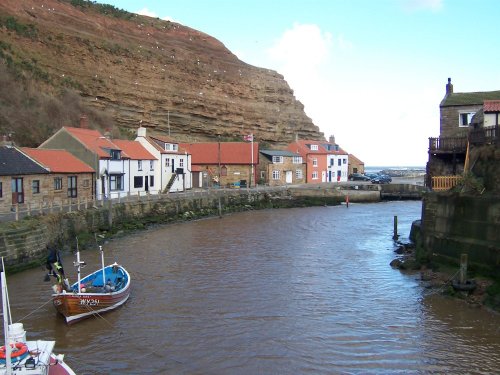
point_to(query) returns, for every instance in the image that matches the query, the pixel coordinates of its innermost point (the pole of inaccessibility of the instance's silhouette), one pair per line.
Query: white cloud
(147, 12)
(348, 95)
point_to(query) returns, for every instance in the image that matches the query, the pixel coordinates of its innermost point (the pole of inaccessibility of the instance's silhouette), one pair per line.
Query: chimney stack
(332, 139)
(84, 122)
(107, 133)
(449, 87)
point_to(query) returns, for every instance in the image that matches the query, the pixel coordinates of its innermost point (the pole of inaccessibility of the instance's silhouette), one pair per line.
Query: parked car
(372, 175)
(358, 177)
(382, 179)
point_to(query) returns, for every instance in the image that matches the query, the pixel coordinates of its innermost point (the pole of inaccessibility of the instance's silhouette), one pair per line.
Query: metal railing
(444, 183)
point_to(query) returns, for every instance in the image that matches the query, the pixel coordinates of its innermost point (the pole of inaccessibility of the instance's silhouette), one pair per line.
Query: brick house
(232, 162)
(280, 167)
(68, 176)
(20, 178)
(325, 161)
(447, 152)
(355, 165)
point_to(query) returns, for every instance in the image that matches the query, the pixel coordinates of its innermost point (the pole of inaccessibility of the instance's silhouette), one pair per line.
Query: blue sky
(369, 72)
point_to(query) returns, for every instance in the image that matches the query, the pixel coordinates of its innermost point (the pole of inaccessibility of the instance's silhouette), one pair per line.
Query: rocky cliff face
(138, 69)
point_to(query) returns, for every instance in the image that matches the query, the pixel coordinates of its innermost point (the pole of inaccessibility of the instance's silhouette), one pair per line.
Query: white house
(142, 167)
(174, 170)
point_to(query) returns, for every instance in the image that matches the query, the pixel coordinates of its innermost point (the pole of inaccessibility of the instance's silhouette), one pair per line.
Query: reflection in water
(276, 291)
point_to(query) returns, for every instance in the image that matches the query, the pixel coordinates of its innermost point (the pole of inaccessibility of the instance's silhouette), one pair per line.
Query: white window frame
(276, 175)
(315, 162)
(314, 147)
(315, 175)
(297, 160)
(277, 159)
(298, 174)
(469, 118)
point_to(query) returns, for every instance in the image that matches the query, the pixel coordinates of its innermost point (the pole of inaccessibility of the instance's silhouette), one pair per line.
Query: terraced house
(281, 167)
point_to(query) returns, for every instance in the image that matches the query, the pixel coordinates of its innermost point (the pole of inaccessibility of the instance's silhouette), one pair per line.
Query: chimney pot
(449, 87)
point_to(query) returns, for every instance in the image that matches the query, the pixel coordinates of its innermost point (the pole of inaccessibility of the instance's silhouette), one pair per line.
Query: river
(286, 291)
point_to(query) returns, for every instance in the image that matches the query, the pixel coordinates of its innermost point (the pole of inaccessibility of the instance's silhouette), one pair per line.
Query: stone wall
(453, 224)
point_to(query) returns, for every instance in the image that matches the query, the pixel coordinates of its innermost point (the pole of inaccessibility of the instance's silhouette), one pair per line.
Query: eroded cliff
(138, 69)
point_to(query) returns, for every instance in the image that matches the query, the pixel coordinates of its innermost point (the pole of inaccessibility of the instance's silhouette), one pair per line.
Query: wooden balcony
(448, 144)
(443, 183)
(486, 135)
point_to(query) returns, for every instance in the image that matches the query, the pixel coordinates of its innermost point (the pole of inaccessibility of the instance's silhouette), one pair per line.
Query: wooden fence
(443, 183)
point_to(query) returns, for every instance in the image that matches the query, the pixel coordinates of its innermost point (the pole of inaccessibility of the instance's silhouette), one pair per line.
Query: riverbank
(439, 278)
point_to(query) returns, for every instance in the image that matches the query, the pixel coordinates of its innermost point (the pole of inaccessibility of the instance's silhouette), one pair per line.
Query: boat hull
(75, 306)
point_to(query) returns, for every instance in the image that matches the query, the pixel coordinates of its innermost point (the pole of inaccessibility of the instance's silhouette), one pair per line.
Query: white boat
(21, 357)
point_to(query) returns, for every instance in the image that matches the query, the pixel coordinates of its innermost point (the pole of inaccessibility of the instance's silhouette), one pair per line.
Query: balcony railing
(448, 144)
(443, 183)
(486, 135)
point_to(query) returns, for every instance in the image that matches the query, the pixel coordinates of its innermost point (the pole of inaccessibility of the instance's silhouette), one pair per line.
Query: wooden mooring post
(395, 234)
(463, 268)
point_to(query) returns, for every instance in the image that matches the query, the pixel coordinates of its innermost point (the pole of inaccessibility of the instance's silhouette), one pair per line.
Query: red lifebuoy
(20, 347)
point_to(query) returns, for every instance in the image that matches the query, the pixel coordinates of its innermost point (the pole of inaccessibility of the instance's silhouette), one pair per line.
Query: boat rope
(447, 281)
(38, 308)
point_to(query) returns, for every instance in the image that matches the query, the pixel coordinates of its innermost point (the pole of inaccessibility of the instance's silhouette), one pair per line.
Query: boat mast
(6, 321)
(102, 262)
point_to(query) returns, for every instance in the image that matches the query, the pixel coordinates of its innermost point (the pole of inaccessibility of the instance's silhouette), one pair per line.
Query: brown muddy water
(290, 291)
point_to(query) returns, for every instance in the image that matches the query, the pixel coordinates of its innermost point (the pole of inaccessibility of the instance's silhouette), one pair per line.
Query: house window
(167, 163)
(181, 163)
(151, 181)
(115, 182)
(58, 183)
(86, 183)
(298, 174)
(297, 160)
(115, 154)
(35, 185)
(315, 175)
(278, 159)
(315, 162)
(344, 161)
(223, 171)
(72, 187)
(339, 162)
(465, 118)
(262, 174)
(139, 165)
(314, 147)
(276, 175)
(171, 147)
(138, 182)
(151, 165)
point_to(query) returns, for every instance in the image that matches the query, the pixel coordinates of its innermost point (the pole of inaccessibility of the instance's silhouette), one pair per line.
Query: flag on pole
(248, 138)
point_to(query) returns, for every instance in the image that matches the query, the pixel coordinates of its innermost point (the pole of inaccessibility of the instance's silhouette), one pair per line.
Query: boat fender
(20, 350)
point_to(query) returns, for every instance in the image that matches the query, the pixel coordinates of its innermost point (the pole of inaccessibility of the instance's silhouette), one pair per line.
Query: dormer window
(278, 159)
(314, 147)
(171, 147)
(115, 154)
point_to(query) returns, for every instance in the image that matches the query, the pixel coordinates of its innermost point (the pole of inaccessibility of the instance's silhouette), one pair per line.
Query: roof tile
(58, 161)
